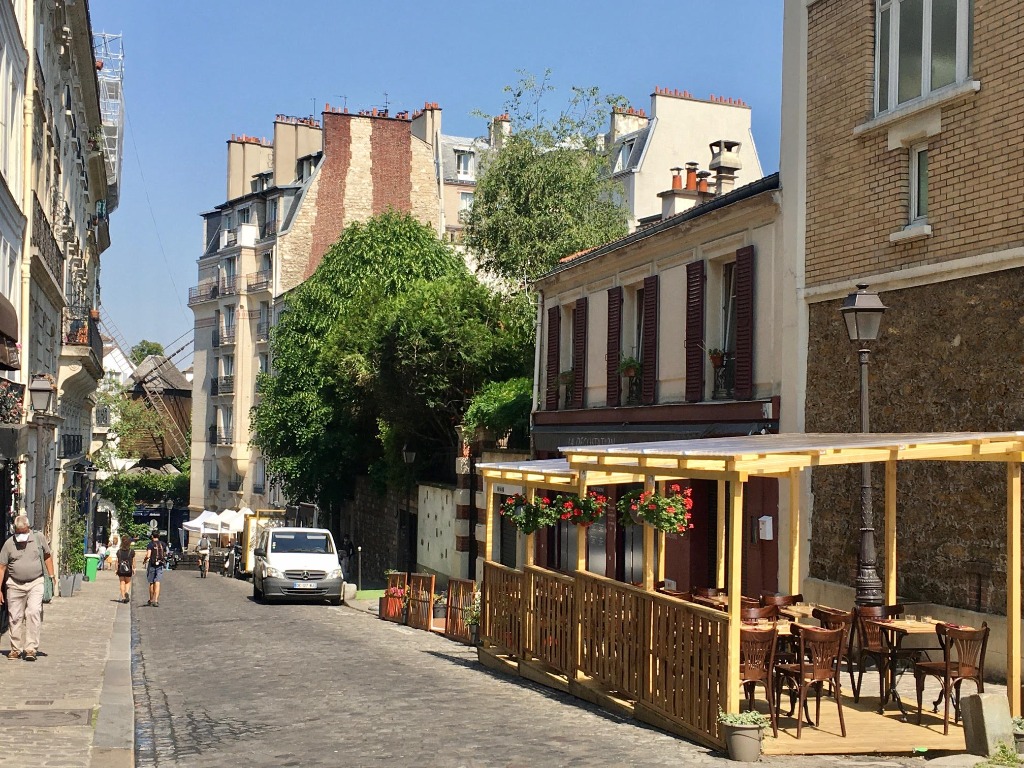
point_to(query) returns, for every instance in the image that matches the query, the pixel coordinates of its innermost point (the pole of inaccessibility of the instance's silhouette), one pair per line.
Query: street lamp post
(168, 505)
(862, 311)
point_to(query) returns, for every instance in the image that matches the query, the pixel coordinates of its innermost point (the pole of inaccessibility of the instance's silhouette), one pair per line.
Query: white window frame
(964, 24)
(465, 201)
(464, 164)
(916, 215)
(625, 150)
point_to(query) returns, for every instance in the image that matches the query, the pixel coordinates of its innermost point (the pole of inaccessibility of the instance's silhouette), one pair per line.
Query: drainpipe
(25, 375)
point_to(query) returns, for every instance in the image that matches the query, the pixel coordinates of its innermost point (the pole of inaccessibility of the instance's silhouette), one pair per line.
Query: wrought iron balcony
(101, 416)
(225, 385)
(213, 484)
(223, 337)
(258, 488)
(219, 438)
(229, 285)
(258, 281)
(82, 328)
(269, 228)
(45, 244)
(235, 485)
(203, 292)
(263, 330)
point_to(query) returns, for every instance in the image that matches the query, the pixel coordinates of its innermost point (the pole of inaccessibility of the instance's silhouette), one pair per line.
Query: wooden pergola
(786, 457)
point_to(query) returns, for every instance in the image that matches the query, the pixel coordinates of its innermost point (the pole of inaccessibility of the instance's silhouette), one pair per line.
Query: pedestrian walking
(101, 552)
(156, 560)
(203, 550)
(348, 551)
(125, 568)
(26, 562)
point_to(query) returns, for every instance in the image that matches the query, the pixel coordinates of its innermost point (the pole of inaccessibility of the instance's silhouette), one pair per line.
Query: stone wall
(949, 358)
(372, 521)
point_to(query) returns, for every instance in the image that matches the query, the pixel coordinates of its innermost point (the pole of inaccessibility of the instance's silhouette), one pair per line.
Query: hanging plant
(669, 513)
(585, 511)
(528, 516)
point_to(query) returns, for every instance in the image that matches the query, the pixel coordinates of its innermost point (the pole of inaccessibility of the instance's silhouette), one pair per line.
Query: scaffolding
(110, 76)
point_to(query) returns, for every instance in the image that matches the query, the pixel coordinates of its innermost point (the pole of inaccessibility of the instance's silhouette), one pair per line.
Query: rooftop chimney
(679, 198)
(725, 161)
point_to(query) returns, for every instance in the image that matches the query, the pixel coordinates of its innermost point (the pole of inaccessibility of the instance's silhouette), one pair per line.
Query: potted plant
(669, 513)
(528, 516)
(630, 367)
(717, 357)
(585, 511)
(743, 733)
(1018, 734)
(441, 605)
(394, 604)
(471, 615)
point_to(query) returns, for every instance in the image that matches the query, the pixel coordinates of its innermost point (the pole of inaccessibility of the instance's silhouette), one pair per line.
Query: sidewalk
(72, 707)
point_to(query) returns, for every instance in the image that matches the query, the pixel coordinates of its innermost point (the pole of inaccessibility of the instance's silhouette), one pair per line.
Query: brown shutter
(554, 334)
(649, 354)
(743, 382)
(579, 352)
(614, 389)
(695, 331)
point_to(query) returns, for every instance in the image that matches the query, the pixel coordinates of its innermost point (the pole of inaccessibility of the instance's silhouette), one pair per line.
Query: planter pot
(629, 373)
(743, 742)
(67, 585)
(440, 611)
(392, 609)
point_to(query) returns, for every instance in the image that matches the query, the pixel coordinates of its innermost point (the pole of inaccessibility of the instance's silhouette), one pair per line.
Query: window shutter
(743, 382)
(649, 354)
(614, 388)
(579, 352)
(554, 334)
(695, 331)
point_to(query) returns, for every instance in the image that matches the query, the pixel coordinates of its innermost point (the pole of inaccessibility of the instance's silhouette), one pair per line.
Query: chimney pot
(702, 181)
(691, 176)
(677, 180)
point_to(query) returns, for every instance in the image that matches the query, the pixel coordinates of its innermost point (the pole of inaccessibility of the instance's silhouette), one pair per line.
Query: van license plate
(304, 585)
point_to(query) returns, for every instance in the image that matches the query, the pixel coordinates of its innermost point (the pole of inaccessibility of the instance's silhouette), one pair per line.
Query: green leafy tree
(313, 435)
(144, 349)
(126, 491)
(132, 422)
(547, 192)
(503, 407)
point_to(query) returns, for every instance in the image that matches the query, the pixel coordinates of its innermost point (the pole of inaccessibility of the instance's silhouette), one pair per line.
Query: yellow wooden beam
(794, 531)
(890, 532)
(488, 521)
(648, 544)
(732, 684)
(720, 538)
(529, 549)
(1013, 640)
(660, 574)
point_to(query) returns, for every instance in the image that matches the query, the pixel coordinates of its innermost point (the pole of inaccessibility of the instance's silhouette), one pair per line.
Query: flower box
(392, 609)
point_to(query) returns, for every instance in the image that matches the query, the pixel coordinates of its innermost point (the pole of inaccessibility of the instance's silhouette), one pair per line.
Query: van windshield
(320, 543)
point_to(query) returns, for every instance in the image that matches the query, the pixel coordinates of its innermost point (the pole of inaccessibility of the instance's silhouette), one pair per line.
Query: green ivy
(502, 407)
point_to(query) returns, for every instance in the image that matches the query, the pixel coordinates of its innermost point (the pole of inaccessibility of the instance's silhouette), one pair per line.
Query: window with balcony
(921, 46)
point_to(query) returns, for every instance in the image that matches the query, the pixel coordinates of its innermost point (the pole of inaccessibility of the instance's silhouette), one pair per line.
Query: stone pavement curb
(74, 706)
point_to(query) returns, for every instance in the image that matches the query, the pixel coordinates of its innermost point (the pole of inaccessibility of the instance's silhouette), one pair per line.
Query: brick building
(902, 167)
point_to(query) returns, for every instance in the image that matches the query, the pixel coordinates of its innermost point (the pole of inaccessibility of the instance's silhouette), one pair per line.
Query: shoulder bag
(47, 581)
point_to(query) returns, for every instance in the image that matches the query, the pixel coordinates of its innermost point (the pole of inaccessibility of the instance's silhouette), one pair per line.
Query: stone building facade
(903, 161)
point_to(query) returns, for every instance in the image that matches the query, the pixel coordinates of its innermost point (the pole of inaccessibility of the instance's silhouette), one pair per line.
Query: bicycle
(204, 564)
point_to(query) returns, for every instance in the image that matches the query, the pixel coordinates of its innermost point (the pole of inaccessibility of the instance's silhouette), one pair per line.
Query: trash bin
(92, 564)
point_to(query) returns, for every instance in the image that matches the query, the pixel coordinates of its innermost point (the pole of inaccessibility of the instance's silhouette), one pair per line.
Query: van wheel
(257, 593)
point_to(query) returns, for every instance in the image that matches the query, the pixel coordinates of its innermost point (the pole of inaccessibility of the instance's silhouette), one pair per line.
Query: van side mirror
(260, 552)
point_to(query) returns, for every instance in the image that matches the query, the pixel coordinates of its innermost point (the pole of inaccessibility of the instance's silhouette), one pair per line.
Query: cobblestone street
(221, 680)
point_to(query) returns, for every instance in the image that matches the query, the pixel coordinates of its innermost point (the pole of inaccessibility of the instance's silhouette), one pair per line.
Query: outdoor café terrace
(675, 660)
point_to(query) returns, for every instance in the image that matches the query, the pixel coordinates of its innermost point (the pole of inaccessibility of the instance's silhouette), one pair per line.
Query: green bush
(502, 407)
(71, 557)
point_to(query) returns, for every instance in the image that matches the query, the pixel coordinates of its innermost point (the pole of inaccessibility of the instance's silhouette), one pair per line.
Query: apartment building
(288, 200)
(901, 157)
(59, 161)
(676, 133)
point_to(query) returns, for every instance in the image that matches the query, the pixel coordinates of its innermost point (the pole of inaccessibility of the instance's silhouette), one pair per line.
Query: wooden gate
(421, 600)
(461, 594)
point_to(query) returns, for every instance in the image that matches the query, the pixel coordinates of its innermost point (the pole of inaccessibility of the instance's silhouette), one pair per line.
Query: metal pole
(869, 585)
(359, 568)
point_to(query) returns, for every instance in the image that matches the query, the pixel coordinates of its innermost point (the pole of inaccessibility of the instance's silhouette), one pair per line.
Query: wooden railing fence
(670, 657)
(460, 599)
(501, 608)
(550, 619)
(392, 608)
(421, 600)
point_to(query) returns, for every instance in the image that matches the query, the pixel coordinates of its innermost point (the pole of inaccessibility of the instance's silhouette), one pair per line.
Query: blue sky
(197, 71)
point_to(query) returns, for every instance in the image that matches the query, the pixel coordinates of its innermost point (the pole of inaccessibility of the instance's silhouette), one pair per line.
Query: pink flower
(670, 510)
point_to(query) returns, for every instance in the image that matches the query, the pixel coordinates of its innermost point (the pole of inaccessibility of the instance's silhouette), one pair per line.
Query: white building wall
(435, 548)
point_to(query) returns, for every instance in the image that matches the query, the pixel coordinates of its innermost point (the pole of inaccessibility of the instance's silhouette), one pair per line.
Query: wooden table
(894, 632)
(803, 610)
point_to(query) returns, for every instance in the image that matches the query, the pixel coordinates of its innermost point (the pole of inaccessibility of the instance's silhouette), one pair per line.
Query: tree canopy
(547, 191)
(144, 349)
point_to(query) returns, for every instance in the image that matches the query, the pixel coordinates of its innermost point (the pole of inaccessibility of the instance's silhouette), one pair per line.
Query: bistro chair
(769, 613)
(829, 618)
(774, 598)
(708, 592)
(871, 645)
(968, 645)
(757, 662)
(817, 663)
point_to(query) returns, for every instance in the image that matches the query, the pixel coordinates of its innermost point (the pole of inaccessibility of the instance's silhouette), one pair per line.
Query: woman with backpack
(125, 567)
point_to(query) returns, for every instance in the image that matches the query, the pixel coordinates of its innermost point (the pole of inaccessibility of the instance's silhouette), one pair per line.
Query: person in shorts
(203, 550)
(155, 560)
(125, 568)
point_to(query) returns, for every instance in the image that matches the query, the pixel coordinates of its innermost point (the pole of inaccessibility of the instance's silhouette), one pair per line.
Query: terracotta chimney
(677, 180)
(702, 181)
(691, 176)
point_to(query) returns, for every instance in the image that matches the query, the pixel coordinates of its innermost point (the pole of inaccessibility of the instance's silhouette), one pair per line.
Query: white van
(297, 563)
